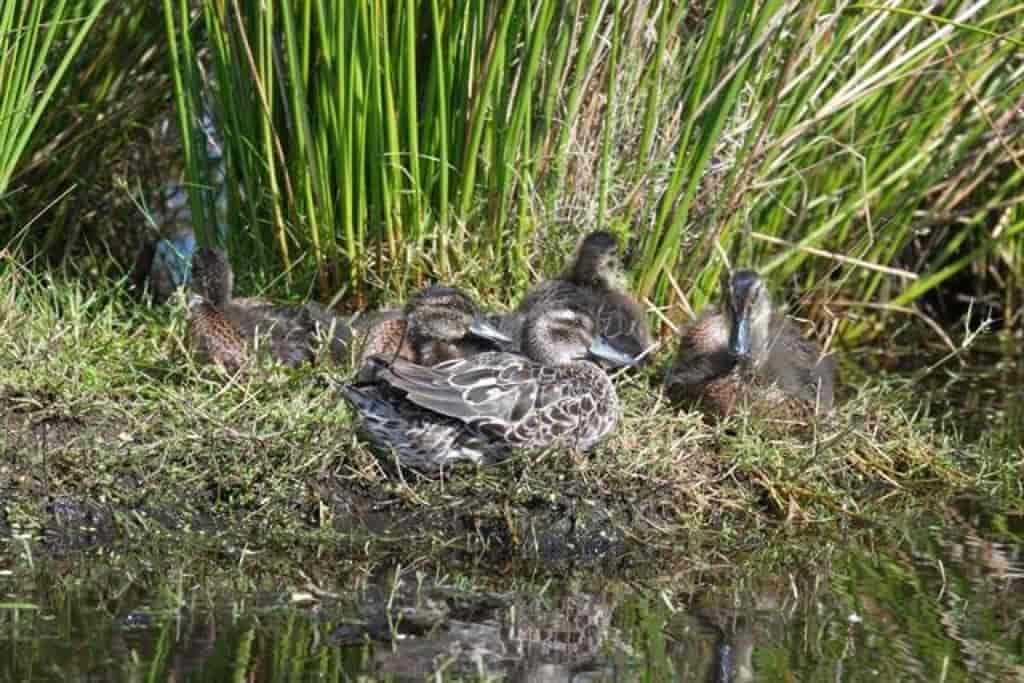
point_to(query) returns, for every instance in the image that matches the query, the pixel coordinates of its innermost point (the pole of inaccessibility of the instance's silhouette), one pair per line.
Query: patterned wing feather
(513, 399)
(420, 439)
(488, 387)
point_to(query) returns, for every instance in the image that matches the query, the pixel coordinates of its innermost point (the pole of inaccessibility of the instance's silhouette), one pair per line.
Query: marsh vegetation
(864, 158)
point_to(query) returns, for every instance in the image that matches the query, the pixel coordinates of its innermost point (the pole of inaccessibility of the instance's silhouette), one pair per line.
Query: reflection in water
(942, 604)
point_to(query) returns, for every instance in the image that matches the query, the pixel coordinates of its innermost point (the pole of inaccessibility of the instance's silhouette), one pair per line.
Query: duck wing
(420, 439)
(799, 366)
(511, 397)
(497, 386)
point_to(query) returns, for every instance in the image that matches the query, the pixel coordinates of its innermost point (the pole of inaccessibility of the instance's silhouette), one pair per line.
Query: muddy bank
(243, 467)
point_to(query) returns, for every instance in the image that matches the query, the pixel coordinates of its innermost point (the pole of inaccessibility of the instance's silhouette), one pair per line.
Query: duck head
(446, 314)
(559, 335)
(748, 310)
(597, 262)
(212, 277)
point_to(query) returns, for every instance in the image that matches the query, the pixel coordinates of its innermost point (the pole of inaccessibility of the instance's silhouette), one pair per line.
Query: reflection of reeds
(921, 608)
(936, 605)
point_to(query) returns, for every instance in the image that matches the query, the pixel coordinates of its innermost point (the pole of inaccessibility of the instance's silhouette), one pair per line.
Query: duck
(484, 407)
(437, 324)
(594, 278)
(227, 331)
(749, 352)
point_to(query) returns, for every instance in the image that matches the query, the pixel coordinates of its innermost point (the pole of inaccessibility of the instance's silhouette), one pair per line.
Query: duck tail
(356, 396)
(367, 404)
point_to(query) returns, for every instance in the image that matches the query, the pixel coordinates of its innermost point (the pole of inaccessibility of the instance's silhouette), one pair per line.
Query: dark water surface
(942, 600)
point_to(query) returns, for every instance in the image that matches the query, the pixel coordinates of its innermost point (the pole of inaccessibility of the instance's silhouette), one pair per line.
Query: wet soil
(44, 496)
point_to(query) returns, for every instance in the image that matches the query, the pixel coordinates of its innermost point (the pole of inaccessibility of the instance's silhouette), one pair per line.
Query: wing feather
(474, 389)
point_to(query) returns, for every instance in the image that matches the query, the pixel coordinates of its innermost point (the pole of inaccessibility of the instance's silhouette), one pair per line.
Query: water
(940, 599)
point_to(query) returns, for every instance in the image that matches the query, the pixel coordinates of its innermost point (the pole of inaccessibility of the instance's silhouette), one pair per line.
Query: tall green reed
(851, 125)
(399, 141)
(862, 152)
(75, 110)
(31, 70)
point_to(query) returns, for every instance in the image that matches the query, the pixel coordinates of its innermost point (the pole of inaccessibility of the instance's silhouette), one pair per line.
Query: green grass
(103, 406)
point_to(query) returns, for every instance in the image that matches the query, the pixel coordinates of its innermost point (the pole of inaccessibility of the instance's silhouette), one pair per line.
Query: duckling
(484, 407)
(594, 278)
(749, 351)
(226, 331)
(437, 324)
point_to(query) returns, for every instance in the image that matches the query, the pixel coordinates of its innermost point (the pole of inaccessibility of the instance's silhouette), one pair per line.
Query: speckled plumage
(212, 338)
(776, 369)
(436, 324)
(594, 279)
(484, 407)
(231, 331)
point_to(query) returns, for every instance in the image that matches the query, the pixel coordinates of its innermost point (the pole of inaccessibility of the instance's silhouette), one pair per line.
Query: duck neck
(433, 351)
(587, 275)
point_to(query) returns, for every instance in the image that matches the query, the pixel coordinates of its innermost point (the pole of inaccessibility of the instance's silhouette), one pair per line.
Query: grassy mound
(111, 433)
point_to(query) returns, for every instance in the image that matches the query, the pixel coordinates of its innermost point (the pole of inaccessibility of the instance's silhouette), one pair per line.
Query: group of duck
(440, 381)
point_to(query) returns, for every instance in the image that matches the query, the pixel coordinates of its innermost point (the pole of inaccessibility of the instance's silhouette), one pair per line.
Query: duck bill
(602, 349)
(744, 291)
(739, 341)
(195, 300)
(484, 329)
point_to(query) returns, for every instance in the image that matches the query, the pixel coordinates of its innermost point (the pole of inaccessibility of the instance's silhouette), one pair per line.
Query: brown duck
(487, 406)
(437, 324)
(229, 331)
(749, 352)
(593, 280)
